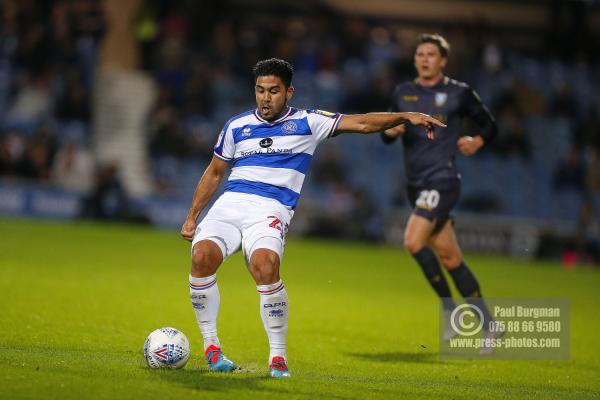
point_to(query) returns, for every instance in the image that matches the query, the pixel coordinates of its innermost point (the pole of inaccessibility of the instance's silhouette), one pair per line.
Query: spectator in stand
(12, 153)
(168, 138)
(75, 104)
(108, 200)
(35, 162)
(74, 168)
(33, 101)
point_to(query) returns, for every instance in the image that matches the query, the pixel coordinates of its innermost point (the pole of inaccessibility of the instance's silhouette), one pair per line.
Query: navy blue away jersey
(449, 101)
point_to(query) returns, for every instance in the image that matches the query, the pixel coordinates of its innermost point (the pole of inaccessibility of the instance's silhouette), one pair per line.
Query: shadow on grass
(215, 382)
(398, 357)
(242, 383)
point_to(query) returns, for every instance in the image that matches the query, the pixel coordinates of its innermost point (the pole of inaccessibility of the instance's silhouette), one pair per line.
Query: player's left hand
(469, 145)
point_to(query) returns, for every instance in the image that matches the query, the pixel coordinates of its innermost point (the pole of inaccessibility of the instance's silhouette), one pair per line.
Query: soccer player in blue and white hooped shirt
(269, 149)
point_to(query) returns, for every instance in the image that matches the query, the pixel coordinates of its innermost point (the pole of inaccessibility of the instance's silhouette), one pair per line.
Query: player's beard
(272, 114)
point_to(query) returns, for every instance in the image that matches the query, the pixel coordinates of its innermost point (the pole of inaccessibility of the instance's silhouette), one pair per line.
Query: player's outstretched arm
(207, 185)
(377, 122)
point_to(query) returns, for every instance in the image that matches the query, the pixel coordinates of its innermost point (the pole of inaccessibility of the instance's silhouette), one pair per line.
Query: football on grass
(166, 348)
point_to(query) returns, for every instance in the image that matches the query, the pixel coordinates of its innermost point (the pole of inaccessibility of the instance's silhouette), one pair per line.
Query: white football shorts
(245, 220)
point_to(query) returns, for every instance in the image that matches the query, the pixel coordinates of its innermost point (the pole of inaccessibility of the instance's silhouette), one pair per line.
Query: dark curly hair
(277, 67)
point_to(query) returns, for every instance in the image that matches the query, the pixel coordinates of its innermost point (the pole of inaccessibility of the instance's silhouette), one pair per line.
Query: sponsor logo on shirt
(266, 142)
(265, 151)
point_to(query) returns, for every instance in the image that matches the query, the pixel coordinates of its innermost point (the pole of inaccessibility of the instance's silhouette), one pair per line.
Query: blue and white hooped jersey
(270, 159)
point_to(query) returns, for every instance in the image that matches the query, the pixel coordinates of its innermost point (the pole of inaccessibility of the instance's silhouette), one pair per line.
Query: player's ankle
(277, 355)
(213, 341)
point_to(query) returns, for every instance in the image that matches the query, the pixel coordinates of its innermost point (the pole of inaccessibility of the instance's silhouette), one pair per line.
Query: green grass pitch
(78, 301)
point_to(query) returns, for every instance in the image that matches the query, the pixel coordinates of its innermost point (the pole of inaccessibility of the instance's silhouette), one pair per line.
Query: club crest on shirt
(289, 127)
(440, 99)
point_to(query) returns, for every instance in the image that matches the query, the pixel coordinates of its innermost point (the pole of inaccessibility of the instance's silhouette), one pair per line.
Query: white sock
(274, 314)
(204, 293)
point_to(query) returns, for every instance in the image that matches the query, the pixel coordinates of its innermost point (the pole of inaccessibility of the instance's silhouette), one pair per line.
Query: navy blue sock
(433, 272)
(468, 287)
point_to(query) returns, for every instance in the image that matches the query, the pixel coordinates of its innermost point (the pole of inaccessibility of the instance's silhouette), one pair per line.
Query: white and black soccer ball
(166, 348)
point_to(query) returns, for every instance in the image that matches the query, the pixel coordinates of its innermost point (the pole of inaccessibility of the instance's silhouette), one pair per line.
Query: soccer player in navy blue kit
(433, 182)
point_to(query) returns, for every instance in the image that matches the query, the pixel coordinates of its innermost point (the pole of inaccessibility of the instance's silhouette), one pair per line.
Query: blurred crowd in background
(544, 164)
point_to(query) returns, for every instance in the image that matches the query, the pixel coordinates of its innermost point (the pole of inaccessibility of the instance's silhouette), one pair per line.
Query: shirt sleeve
(323, 123)
(474, 108)
(225, 147)
(471, 103)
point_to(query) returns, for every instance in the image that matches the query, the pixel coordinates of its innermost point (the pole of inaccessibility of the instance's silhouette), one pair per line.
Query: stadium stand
(200, 60)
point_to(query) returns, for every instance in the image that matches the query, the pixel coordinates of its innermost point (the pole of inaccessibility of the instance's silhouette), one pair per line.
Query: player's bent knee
(264, 260)
(450, 261)
(206, 258)
(264, 266)
(203, 265)
(412, 245)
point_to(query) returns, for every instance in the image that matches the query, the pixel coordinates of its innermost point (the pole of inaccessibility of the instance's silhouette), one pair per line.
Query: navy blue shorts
(435, 200)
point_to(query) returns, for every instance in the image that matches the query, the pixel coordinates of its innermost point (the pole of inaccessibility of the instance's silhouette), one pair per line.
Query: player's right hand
(187, 229)
(416, 118)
